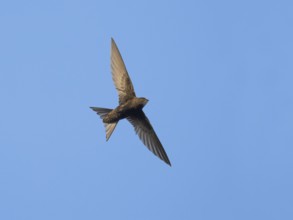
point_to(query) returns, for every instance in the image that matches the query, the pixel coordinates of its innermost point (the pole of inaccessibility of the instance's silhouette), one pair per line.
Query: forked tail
(102, 112)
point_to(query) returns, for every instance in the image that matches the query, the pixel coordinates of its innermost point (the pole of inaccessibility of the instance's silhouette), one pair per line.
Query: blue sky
(218, 75)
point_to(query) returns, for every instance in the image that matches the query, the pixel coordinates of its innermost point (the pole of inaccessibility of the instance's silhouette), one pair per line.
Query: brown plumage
(130, 107)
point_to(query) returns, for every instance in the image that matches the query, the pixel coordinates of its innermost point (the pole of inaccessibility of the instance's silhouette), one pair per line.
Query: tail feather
(102, 112)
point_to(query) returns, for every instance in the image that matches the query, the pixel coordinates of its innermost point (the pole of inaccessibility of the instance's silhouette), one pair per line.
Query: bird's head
(143, 101)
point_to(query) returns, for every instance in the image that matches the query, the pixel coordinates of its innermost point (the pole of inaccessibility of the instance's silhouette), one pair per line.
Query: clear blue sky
(219, 77)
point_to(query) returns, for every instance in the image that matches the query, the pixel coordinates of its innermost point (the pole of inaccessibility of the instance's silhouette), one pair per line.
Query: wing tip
(167, 161)
(113, 43)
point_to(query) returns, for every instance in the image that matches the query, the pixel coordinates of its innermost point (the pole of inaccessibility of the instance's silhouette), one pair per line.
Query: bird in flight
(130, 107)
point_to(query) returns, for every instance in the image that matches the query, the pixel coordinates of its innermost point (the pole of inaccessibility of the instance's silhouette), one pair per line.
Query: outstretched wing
(120, 76)
(147, 135)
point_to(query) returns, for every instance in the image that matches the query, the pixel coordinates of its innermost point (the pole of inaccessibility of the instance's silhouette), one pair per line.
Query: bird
(130, 107)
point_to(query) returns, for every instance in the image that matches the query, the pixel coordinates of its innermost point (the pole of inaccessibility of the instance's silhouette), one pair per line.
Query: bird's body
(130, 107)
(125, 110)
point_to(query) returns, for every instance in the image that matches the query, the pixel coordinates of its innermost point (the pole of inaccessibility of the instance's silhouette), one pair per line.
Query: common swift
(130, 107)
